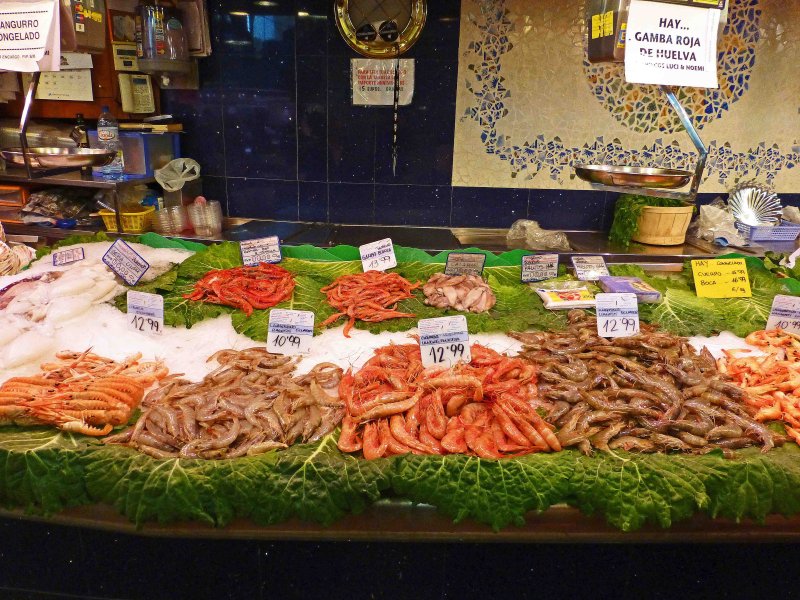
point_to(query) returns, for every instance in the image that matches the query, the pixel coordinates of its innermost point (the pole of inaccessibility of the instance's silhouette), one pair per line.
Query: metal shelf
(72, 178)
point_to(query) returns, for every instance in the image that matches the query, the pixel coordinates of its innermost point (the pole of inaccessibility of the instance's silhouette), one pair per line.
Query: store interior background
(277, 136)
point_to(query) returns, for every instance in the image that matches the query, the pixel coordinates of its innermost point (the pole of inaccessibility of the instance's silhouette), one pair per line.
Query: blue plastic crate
(784, 232)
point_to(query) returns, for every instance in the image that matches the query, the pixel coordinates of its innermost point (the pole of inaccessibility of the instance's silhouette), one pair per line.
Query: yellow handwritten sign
(721, 278)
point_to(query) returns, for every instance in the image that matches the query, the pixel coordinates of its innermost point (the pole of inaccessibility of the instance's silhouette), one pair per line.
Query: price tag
(125, 262)
(290, 331)
(67, 257)
(378, 256)
(590, 268)
(617, 315)
(444, 341)
(465, 263)
(146, 312)
(538, 267)
(261, 250)
(785, 314)
(721, 278)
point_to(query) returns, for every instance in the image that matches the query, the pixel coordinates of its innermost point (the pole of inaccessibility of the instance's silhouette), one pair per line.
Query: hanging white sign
(669, 44)
(30, 38)
(373, 81)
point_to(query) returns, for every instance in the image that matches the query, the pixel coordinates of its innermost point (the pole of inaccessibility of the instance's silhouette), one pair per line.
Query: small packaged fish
(630, 285)
(563, 295)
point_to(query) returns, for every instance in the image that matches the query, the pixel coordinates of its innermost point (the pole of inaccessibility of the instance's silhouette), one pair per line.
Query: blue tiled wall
(277, 136)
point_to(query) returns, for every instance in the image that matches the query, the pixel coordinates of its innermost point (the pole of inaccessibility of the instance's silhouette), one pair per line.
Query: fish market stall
(316, 397)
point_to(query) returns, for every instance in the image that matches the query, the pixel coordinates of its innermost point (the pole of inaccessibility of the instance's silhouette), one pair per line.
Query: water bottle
(108, 138)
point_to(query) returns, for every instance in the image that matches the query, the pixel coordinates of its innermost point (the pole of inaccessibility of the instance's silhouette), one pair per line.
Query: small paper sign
(67, 257)
(290, 331)
(538, 267)
(465, 263)
(125, 262)
(617, 315)
(590, 268)
(261, 250)
(444, 341)
(785, 314)
(146, 312)
(667, 44)
(378, 256)
(721, 278)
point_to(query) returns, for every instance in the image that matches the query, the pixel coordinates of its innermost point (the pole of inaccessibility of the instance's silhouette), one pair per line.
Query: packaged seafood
(630, 285)
(563, 295)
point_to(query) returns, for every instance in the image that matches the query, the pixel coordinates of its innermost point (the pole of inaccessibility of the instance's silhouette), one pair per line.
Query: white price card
(538, 267)
(146, 312)
(465, 263)
(378, 256)
(290, 331)
(261, 250)
(125, 262)
(590, 268)
(617, 315)
(67, 257)
(444, 341)
(785, 314)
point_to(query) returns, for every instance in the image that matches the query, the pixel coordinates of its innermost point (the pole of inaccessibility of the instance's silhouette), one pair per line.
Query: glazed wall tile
(405, 204)
(262, 198)
(488, 207)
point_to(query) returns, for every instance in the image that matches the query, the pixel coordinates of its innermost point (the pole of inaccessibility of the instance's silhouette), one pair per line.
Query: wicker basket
(663, 225)
(138, 222)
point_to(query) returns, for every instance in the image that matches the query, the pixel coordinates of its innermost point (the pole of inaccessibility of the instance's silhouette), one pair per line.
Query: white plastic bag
(176, 172)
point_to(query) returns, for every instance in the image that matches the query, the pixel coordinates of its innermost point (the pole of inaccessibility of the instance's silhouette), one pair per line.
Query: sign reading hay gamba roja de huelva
(669, 44)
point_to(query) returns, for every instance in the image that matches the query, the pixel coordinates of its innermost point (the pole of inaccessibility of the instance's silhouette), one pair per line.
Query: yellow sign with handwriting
(721, 278)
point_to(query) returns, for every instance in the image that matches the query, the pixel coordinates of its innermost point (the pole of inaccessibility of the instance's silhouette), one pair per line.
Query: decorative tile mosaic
(530, 105)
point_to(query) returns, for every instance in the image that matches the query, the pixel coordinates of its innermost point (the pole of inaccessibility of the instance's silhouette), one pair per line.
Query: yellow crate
(131, 222)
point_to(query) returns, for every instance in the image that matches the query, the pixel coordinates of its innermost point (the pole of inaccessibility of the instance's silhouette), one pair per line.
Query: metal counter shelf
(402, 521)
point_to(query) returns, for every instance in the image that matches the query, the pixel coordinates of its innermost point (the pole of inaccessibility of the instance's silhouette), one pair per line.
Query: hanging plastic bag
(176, 172)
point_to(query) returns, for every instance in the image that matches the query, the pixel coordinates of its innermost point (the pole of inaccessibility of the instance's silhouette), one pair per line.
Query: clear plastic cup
(206, 218)
(171, 220)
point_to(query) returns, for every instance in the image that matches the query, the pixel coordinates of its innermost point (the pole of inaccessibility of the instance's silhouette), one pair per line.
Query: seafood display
(249, 405)
(772, 380)
(14, 258)
(459, 292)
(486, 408)
(81, 392)
(370, 296)
(246, 288)
(650, 392)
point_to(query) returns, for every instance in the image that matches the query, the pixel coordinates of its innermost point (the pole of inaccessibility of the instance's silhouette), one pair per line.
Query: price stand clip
(590, 268)
(125, 262)
(67, 257)
(290, 332)
(465, 263)
(444, 341)
(617, 315)
(785, 314)
(145, 312)
(538, 267)
(261, 250)
(378, 256)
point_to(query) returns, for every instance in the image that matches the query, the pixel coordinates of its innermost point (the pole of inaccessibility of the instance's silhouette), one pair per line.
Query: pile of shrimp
(772, 380)
(251, 404)
(486, 408)
(370, 296)
(650, 392)
(80, 392)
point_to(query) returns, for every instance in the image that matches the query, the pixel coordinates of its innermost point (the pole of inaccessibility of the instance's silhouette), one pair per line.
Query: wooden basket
(663, 225)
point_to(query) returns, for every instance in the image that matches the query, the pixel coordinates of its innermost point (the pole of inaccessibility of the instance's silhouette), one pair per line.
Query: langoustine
(251, 404)
(80, 392)
(486, 408)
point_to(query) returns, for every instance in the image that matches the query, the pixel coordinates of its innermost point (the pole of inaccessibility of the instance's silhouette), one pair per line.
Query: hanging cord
(396, 108)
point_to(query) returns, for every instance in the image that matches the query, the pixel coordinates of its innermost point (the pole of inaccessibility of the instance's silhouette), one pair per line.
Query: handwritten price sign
(617, 315)
(444, 341)
(125, 262)
(721, 278)
(67, 257)
(785, 314)
(290, 331)
(145, 312)
(538, 267)
(378, 256)
(261, 250)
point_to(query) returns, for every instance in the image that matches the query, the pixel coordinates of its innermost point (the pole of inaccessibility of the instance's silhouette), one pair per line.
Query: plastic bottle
(108, 138)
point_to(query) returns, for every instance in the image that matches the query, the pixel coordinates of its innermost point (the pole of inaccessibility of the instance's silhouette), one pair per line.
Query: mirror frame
(378, 48)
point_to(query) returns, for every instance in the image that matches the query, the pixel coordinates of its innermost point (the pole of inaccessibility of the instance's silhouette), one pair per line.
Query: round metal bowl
(644, 177)
(55, 158)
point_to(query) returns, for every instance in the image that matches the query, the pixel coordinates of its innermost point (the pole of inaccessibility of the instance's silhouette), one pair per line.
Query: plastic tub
(171, 220)
(206, 218)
